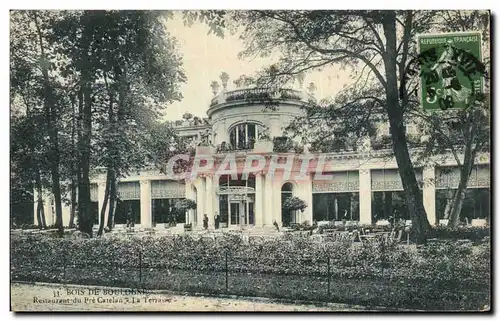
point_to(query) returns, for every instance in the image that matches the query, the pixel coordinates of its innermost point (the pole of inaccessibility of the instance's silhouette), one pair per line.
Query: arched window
(243, 136)
(287, 188)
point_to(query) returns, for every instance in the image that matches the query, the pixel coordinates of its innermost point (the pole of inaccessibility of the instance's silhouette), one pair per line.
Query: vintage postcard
(250, 160)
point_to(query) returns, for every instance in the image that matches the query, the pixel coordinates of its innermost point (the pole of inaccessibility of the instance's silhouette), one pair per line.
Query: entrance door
(234, 211)
(242, 213)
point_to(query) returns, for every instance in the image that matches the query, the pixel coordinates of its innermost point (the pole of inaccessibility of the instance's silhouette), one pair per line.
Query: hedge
(473, 233)
(444, 275)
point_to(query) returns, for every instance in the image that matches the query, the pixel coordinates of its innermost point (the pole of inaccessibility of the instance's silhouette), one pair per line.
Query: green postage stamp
(451, 70)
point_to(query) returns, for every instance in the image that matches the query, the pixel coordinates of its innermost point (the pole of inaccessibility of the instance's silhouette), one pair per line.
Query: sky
(206, 56)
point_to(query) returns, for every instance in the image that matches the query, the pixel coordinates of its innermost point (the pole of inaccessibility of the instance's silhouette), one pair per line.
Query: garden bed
(449, 275)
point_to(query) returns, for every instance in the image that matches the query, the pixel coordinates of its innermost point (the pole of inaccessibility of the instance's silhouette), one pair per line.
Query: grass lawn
(314, 288)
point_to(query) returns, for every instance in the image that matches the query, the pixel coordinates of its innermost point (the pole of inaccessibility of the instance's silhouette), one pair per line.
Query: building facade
(240, 177)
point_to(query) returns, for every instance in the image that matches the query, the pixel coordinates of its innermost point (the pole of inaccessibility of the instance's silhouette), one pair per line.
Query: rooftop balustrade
(260, 95)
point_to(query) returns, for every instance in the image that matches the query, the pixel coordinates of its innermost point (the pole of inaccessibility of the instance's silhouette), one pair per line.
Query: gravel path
(51, 297)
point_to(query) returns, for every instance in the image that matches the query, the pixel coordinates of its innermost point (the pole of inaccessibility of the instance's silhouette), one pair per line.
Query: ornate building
(362, 185)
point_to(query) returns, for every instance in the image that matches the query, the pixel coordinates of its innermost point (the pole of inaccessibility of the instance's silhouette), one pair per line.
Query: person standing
(276, 225)
(216, 220)
(205, 222)
(129, 217)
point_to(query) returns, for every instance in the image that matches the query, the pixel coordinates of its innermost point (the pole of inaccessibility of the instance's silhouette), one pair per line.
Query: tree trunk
(456, 207)
(40, 212)
(56, 190)
(104, 205)
(73, 204)
(465, 171)
(411, 188)
(78, 142)
(447, 209)
(74, 167)
(459, 196)
(51, 114)
(85, 218)
(112, 201)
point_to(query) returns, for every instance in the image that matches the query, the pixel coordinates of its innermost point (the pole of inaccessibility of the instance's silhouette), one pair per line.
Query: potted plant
(224, 77)
(294, 203)
(215, 87)
(283, 144)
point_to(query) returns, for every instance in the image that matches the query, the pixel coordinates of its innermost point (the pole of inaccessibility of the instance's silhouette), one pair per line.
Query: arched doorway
(287, 216)
(236, 200)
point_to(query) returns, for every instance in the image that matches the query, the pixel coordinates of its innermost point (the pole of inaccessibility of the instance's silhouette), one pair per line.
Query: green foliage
(446, 275)
(282, 144)
(384, 142)
(294, 203)
(304, 226)
(473, 233)
(187, 116)
(185, 204)
(110, 74)
(350, 228)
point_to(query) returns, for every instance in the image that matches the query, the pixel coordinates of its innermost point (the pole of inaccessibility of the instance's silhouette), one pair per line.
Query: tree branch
(376, 34)
(330, 51)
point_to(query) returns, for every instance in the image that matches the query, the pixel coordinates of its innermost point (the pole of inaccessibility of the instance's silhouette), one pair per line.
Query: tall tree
(357, 111)
(379, 40)
(34, 82)
(52, 115)
(464, 133)
(139, 73)
(109, 73)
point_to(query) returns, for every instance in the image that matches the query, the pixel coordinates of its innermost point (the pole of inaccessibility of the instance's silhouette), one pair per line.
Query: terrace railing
(260, 95)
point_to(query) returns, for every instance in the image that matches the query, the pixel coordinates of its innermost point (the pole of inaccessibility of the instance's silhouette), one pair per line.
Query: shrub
(304, 226)
(440, 275)
(185, 204)
(324, 227)
(473, 233)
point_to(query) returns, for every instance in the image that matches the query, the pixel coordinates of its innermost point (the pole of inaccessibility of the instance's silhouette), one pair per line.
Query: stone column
(146, 219)
(429, 193)
(101, 191)
(209, 198)
(365, 196)
(215, 195)
(189, 195)
(202, 191)
(275, 194)
(268, 201)
(258, 207)
(308, 198)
